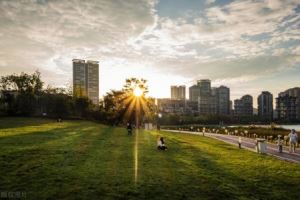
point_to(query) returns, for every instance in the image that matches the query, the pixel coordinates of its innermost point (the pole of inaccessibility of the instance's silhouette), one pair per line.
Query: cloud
(241, 36)
(208, 2)
(234, 43)
(48, 34)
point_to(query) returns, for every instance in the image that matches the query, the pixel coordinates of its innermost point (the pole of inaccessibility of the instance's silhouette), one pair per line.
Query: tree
(132, 83)
(82, 105)
(22, 83)
(20, 92)
(123, 106)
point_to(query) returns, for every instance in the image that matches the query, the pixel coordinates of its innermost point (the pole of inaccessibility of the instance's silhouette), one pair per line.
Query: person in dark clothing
(129, 128)
(161, 145)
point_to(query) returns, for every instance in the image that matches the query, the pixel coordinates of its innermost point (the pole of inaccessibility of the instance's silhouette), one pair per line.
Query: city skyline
(249, 46)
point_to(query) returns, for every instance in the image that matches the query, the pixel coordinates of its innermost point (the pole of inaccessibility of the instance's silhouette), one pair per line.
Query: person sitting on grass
(161, 145)
(293, 140)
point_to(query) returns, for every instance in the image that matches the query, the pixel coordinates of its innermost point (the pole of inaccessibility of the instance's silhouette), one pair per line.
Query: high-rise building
(205, 86)
(207, 104)
(178, 92)
(86, 79)
(194, 93)
(207, 98)
(79, 78)
(223, 100)
(244, 106)
(265, 105)
(288, 104)
(92, 71)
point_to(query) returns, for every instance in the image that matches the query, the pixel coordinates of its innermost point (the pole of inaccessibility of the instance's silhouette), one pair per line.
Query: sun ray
(144, 106)
(136, 154)
(130, 109)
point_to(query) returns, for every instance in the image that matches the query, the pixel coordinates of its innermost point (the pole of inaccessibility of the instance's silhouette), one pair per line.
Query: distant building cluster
(86, 79)
(206, 100)
(203, 99)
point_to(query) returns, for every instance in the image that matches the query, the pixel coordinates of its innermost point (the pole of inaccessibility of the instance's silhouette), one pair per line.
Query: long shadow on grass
(17, 122)
(198, 175)
(55, 171)
(17, 151)
(39, 137)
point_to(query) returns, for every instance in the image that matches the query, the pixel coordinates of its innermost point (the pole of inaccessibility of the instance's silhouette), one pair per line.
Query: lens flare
(137, 92)
(136, 157)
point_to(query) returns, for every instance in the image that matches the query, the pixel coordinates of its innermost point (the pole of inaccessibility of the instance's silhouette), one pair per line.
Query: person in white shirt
(240, 142)
(293, 140)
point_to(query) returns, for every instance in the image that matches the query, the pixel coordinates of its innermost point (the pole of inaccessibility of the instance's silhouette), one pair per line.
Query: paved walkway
(249, 144)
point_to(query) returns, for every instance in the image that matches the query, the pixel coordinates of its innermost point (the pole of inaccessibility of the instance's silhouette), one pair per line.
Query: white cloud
(130, 38)
(47, 34)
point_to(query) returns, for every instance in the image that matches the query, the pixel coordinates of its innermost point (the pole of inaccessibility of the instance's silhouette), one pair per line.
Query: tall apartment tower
(265, 105)
(288, 104)
(194, 93)
(79, 78)
(244, 106)
(205, 86)
(86, 79)
(223, 100)
(178, 92)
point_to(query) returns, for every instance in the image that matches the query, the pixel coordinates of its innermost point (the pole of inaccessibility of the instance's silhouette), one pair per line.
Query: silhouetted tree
(22, 83)
(120, 105)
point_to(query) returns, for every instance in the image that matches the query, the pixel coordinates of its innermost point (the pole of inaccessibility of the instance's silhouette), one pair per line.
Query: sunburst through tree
(131, 104)
(136, 99)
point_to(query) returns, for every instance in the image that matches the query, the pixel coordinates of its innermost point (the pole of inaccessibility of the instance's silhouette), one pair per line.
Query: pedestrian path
(250, 144)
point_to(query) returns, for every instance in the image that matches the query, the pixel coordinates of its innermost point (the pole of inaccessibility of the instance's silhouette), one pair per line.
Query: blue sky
(248, 46)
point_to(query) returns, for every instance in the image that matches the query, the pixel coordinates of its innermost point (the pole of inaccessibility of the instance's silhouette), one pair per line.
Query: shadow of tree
(212, 177)
(17, 122)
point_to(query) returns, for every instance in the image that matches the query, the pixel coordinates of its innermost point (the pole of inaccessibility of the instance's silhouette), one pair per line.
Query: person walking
(293, 140)
(240, 142)
(129, 128)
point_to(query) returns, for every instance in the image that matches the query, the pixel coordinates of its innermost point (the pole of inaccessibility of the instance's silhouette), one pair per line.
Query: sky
(249, 46)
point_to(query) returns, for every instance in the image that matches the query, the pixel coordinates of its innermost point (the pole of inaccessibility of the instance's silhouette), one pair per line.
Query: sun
(137, 92)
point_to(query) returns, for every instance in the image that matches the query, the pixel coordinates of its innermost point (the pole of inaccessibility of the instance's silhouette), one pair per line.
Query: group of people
(293, 139)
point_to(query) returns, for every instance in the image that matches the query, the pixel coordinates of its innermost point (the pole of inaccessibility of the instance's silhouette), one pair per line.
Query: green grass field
(86, 160)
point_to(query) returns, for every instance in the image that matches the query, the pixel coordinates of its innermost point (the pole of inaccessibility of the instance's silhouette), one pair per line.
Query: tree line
(26, 95)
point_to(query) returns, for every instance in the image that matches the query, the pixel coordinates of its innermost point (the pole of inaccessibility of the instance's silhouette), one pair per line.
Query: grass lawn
(86, 160)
